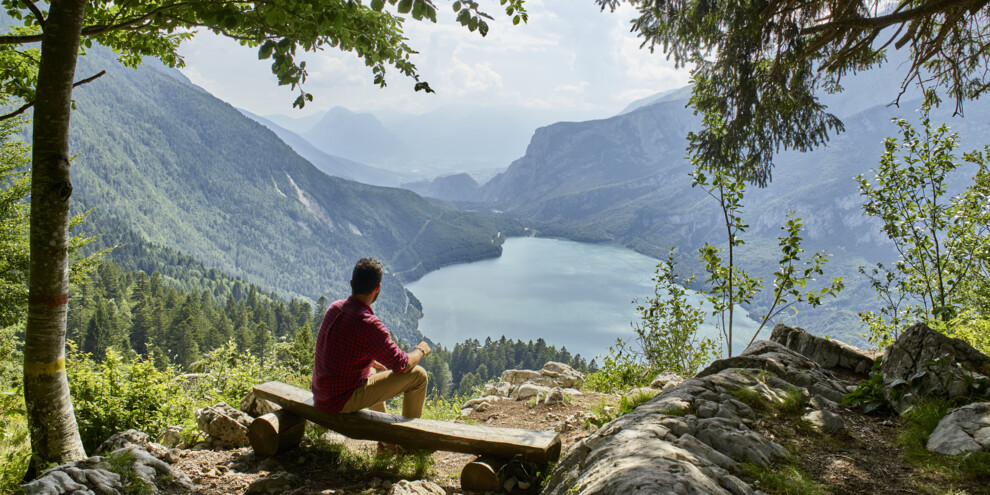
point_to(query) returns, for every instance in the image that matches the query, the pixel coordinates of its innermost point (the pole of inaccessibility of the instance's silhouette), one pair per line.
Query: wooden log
(481, 475)
(541, 447)
(275, 432)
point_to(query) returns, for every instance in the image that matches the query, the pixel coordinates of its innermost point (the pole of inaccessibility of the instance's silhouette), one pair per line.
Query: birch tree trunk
(52, 424)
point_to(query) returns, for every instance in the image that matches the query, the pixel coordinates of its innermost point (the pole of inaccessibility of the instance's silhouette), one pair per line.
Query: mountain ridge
(156, 156)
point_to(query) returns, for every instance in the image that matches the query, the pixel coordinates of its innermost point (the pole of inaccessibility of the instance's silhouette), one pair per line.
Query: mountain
(675, 94)
(329, 164)
(625, 180)
(298, 125)
(454, 187)
(477, 139)
(165, 161)
(355, 136)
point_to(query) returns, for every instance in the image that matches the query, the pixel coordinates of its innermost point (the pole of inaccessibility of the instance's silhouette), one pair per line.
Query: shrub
(15, 446)
(117, 395)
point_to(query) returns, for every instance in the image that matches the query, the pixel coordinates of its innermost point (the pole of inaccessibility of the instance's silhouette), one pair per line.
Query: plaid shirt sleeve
(380, 346)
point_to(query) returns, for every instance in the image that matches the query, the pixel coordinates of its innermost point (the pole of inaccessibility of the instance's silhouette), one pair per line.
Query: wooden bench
(284, 428)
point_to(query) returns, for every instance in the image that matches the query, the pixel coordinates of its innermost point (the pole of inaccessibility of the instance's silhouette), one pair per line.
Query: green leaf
(377, 5)
(405, 6)
(265, 51)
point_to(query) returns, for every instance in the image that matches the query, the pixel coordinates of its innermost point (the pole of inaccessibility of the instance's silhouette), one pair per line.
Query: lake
(572, 294)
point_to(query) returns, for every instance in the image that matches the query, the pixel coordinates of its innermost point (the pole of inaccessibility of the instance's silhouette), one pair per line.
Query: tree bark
(51, 421)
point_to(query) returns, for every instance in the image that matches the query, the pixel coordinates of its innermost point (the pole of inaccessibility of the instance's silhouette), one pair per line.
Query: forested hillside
(166, 162)
(176, 321)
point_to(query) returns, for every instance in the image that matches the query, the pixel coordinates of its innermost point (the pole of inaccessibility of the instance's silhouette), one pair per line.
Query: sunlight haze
(571, 59)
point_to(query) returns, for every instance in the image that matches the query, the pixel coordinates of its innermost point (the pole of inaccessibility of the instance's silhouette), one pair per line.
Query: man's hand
(378, 366)
(424, 348)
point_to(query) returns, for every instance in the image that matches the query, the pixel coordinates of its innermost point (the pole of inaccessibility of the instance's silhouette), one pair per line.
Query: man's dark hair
(367, 275)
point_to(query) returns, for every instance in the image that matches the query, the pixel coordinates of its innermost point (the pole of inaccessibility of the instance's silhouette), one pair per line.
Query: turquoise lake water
(574, 295)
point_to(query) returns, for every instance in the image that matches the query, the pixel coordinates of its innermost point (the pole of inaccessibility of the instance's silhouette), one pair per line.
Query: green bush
(117, 395)
(227, 375)
(15, 447)
(620, 370)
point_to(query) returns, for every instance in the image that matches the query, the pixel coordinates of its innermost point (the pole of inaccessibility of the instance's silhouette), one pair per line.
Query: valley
(200, 187)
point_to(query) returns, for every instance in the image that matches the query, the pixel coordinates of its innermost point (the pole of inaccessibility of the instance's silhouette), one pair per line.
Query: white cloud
(460, 78)
(570, 57)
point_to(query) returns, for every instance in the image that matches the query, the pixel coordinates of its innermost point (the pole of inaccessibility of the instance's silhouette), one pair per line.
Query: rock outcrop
(421, 487)
(966, 429)
(96, 475)
(692, 437)
(831, 354)
(547, 385)
(222, 423)
(923, 362)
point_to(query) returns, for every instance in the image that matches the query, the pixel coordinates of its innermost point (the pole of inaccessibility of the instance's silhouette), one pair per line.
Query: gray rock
(965, 429)
(518, 377)
(928, 361)
(527, 390)
(982, 437)
(128, 438)
(563, 375)
(474, 403)
(665, 380)
(256, 406)
(555, 396)
(172, 437)
(421, 487)
(691, 437)
(830, 354)
(279, 482)
(224, 423)
(500, 389)
(93, 475)
(825, 421)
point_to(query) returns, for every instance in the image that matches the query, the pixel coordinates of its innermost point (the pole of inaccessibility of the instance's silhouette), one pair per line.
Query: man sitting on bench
(352, 341)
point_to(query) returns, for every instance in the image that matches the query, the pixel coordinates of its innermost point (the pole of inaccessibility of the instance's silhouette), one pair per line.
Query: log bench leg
(481, 475)
(275, 432)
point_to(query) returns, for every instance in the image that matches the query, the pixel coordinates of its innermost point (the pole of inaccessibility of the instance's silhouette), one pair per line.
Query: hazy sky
(570, 57)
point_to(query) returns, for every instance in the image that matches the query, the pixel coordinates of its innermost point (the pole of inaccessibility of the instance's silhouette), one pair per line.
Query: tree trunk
(54, 432)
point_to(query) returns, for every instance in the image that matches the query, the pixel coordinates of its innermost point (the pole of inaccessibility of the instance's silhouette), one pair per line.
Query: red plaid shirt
(351, 338)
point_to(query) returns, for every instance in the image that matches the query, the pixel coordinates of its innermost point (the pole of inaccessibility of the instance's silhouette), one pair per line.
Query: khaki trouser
(387, 384)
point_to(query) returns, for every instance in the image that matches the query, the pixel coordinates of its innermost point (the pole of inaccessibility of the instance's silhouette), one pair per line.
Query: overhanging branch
(898, 17)
(35, 10)
(23, 108)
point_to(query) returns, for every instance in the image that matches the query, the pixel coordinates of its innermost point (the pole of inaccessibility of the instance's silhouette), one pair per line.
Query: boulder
(965, 429)
(171, 437)
(93, 475)
(692, 436)
(563, 375)
(500, 389)
(224, 423)
(528, 390)
(824, 421)
(421, 487)
(830, 354)
(925, 361)
(128, 438)
(555, 396)
(665, 380)
(279, 482)
(518, 377)
(481, 403)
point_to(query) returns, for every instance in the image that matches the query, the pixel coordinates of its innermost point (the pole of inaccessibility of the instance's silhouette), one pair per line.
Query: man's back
(351, 338)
